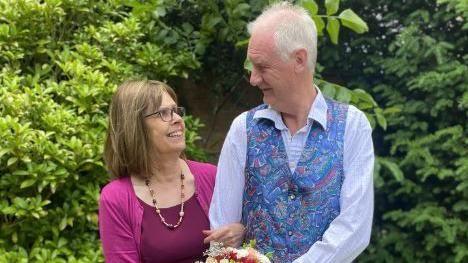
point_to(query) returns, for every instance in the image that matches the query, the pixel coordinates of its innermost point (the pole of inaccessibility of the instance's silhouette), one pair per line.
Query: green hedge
(414, 62)
(61, 61)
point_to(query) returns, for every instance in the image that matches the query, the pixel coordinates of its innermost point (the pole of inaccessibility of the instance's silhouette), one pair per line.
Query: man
(297, 171)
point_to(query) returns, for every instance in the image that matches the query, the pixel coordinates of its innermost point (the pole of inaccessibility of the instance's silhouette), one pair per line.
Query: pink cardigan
(120, 213)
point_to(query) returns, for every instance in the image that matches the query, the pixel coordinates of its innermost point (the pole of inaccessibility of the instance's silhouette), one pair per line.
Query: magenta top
(121, 214)
(159, 244)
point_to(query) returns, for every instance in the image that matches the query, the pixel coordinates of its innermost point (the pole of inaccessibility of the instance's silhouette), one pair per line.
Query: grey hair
(293, 29)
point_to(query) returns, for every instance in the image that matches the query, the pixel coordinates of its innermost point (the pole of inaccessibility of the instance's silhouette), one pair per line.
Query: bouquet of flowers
(219, 254)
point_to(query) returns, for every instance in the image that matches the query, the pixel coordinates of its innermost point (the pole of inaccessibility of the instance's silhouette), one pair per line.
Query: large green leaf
(380, 118)
(351, 20)
(319, 24)
(242, 43)
(343, 94)
(392, 167)
(27, 183)
(310, 6)
(332, 6)
(333, 29)
(248, 65)
(363, 95)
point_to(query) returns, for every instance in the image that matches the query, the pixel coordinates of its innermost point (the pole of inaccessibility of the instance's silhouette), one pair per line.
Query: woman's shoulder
(205, 177)
(199, 167)
(116, 188)
(204, 172)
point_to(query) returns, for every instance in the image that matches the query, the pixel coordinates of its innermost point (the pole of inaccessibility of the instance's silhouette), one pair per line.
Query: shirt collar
(317, 112)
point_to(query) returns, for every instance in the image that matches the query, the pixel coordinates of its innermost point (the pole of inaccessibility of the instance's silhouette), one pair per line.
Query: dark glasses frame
(164, 113)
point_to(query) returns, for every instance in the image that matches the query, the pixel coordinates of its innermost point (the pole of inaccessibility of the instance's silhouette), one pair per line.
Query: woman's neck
(167, 170)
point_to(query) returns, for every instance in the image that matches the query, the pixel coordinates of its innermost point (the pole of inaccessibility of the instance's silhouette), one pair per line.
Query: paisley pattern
(286, 213)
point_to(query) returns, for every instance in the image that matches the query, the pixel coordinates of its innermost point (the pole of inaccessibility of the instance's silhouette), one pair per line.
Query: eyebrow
(259, 58)
(260, 62)
(168, 106)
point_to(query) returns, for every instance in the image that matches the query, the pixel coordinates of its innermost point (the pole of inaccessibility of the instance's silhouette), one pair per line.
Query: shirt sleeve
(349, 233)
(226, 204)
(117, 239)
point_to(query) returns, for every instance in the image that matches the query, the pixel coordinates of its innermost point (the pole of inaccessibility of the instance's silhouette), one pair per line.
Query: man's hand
(230, 235)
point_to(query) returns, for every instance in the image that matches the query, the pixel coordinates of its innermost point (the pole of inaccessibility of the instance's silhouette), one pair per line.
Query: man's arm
(349, 233)
(226, 204)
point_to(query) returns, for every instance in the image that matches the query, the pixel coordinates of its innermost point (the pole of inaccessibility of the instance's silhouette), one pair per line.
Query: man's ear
(300, 60)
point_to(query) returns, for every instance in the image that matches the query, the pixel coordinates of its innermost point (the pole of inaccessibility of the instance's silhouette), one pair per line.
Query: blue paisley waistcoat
(286, 213)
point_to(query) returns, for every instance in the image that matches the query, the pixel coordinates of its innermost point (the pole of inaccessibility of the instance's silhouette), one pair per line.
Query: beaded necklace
(158, 211)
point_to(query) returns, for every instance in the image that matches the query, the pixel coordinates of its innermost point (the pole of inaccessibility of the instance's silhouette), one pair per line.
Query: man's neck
(297, 117)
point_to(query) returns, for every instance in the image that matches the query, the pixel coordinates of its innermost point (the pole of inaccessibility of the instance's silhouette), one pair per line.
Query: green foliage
(353, 21)
(347, 17)
(357, 97)
(414, 61)
(61, 63)
(61, 60)
(193, 125)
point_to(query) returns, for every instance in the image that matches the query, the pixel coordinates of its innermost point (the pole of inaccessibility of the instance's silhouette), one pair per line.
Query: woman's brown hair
(127, 149)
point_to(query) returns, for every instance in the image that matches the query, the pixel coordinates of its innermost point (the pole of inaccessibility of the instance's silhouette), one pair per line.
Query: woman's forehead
(167, 100)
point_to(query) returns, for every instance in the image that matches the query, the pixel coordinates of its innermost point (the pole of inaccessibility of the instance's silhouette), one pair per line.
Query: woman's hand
(230, 235)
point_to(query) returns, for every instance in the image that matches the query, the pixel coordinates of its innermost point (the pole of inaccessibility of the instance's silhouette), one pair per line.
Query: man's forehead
(257, 56)
(260, 46)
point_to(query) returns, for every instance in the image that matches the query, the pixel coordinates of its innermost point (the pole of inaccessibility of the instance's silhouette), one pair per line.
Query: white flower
(224, 260)
(242, 253)
(230, 249)
(263, 258)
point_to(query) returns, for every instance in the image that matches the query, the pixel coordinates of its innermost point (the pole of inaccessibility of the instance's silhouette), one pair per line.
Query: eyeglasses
(167, 114)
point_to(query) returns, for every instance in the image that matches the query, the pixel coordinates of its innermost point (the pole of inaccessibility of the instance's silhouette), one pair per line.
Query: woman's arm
(117, 238)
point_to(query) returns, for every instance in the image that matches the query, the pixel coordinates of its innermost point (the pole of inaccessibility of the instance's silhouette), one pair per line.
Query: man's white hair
(293, 29)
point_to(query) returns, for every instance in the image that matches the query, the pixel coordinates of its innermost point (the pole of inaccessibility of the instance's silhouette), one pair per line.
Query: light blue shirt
(349, 234)
(294, 143)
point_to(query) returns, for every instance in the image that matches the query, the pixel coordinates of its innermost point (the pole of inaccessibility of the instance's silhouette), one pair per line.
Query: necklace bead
(158, 211)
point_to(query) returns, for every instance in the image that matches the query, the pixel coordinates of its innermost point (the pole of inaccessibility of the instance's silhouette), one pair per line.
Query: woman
(156, 209)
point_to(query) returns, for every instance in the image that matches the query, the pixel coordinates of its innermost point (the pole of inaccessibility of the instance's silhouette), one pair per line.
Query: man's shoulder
(333, 102)
(239, 121)
(353, 112)
(357, 119)
(250, 114)
(258, 107)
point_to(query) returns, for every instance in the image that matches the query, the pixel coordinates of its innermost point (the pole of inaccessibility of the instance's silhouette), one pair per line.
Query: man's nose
(255, 78)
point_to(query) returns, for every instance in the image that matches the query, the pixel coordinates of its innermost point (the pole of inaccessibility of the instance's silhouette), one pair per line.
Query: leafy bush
(61, 62)
(414, 61)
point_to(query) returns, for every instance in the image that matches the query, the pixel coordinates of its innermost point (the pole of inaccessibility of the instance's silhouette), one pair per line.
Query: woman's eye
(166, 112)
